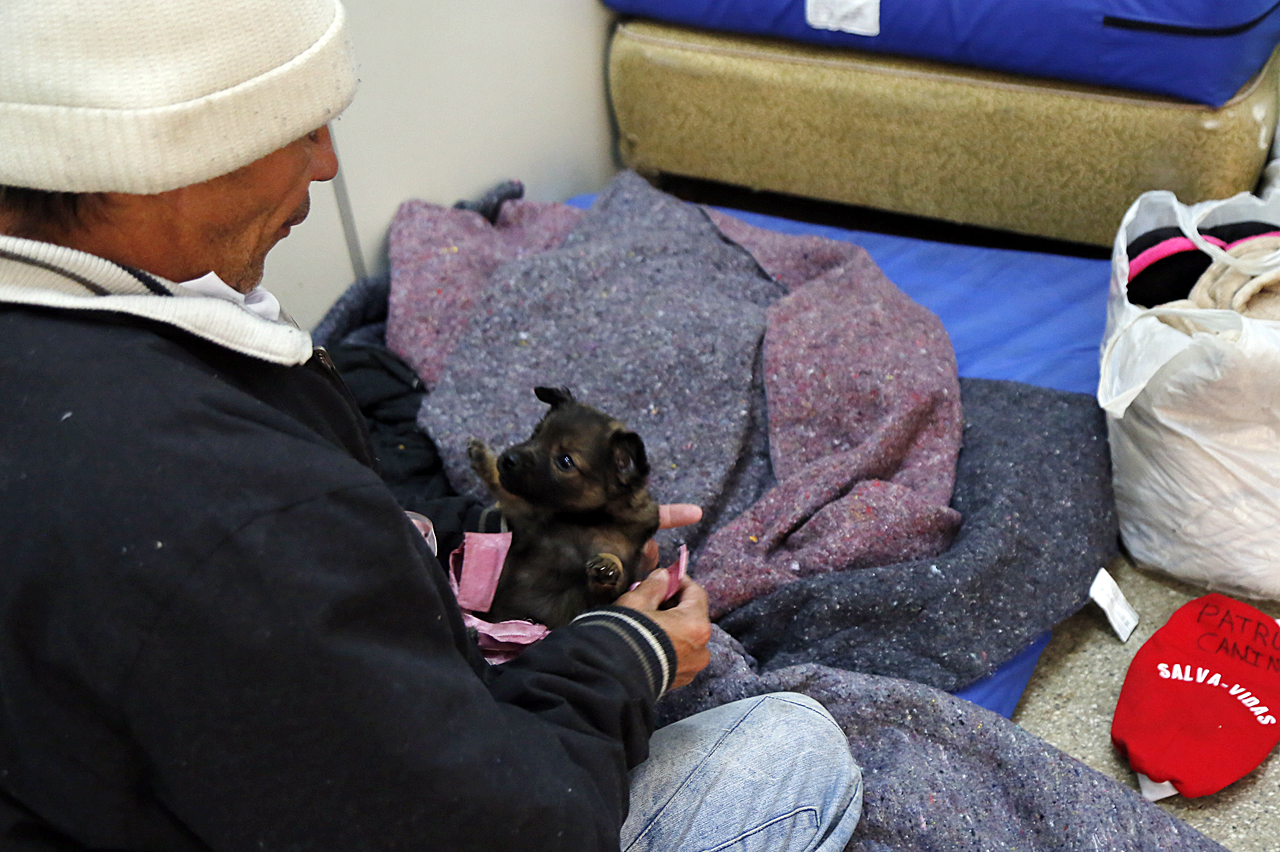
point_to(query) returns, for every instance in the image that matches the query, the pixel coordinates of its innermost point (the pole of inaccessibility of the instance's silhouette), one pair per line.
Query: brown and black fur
(574, 498)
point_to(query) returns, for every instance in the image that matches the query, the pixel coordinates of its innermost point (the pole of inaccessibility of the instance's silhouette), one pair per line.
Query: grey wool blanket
(876, 529)
(788, 387)
(943, 775)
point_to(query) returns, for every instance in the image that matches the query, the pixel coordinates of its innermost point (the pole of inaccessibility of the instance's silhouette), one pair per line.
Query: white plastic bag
(1194, 418)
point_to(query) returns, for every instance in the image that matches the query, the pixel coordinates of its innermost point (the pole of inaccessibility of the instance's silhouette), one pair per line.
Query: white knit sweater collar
(41, 274)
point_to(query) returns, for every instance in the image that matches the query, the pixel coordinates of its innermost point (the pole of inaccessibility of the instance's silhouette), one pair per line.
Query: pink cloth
(676, 572)
(476, 565)
(474, 569)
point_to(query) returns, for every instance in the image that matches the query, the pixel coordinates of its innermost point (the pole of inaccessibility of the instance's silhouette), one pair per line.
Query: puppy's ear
(553, 397)
(631, 464)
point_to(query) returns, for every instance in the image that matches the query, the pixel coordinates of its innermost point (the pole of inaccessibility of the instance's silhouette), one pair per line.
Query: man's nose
(324, 160)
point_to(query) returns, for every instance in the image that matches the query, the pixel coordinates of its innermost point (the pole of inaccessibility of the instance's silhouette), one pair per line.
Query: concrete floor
(1072, 695)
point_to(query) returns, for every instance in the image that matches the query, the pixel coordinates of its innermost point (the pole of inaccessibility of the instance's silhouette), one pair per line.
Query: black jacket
(218, 630)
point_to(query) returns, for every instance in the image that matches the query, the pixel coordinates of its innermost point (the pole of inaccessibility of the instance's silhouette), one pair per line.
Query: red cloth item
(1200, 703)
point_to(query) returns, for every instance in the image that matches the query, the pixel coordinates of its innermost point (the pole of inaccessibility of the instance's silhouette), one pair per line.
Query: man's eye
(564, 462)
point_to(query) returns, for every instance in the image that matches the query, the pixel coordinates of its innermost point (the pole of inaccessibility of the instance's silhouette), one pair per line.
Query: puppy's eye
(564, 461)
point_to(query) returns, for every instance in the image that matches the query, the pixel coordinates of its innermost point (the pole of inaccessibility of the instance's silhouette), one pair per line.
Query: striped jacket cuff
(650, 642)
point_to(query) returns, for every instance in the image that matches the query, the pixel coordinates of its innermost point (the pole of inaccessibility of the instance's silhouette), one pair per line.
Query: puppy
(574, 498)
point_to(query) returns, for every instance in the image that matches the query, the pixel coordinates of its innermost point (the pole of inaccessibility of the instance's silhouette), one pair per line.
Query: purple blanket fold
(864, 426)
(441, 260)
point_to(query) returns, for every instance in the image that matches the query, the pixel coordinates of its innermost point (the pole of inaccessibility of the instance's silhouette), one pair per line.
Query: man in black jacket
(218, 630)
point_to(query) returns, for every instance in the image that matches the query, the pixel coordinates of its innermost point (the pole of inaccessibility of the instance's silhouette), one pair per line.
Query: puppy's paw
(482, 460)
(605, 576)
(478, 451)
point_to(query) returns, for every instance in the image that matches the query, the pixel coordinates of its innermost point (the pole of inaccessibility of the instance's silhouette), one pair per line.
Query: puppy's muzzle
(511, 461)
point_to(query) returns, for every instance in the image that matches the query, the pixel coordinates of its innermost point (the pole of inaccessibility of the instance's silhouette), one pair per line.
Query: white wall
(455, 96)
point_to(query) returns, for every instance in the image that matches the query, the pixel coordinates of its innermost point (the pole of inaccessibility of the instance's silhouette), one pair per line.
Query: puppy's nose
(509, 460)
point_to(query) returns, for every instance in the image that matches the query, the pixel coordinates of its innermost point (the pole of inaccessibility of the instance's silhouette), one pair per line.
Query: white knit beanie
(145, 96)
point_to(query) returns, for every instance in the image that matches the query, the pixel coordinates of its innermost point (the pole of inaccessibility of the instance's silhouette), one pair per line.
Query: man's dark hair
(38, 212)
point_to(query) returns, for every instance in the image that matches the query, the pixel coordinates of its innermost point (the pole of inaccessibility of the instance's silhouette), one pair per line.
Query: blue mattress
(1202, 51)
(1018, 315)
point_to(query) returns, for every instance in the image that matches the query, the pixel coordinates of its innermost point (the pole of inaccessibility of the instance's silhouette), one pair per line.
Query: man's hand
(670, 515)
(687, 623)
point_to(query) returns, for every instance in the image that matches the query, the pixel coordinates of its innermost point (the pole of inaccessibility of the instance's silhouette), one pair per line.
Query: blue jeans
(770, 773)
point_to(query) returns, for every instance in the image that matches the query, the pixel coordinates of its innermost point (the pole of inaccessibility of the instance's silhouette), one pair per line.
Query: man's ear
(630, 462)
(553, 397)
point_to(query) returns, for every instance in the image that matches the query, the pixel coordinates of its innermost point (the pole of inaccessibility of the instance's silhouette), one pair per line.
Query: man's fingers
(686, 624)
(648, 594)
(678, 515)
(649, 559)
(692, 596)
(670, 515)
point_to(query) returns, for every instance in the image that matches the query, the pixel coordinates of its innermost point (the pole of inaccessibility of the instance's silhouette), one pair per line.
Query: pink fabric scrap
(476, 566)
(474, 569)
(675, 573)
